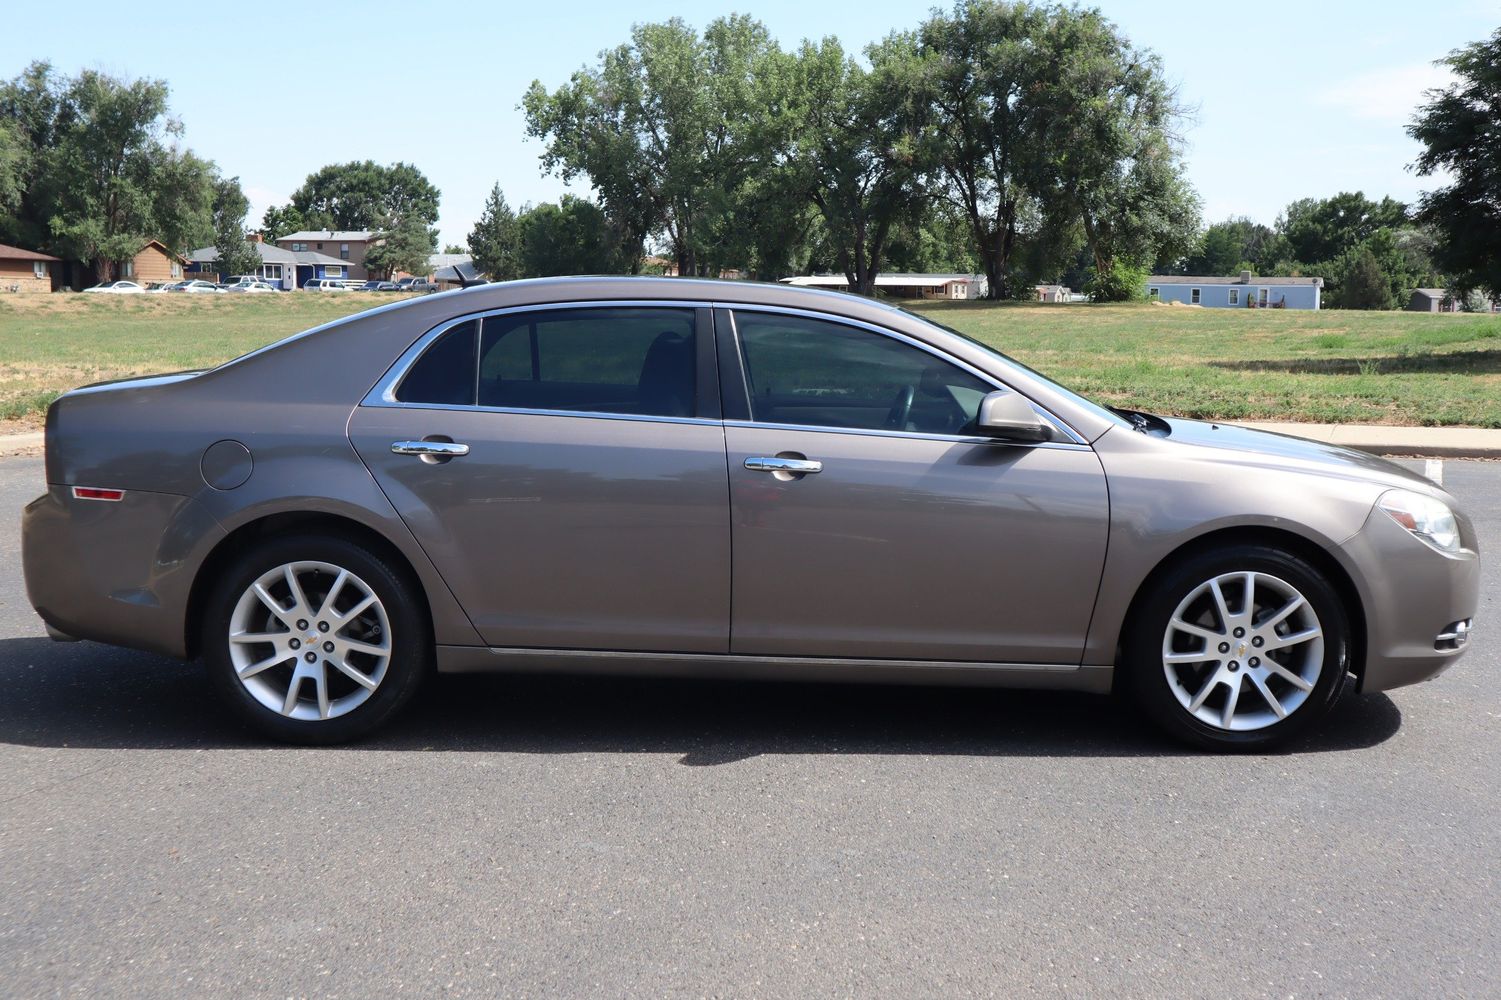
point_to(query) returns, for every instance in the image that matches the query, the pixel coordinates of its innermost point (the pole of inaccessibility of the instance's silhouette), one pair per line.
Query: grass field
(1340, 367)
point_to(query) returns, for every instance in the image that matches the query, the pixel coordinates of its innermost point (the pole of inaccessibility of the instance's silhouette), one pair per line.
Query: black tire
(410, 637)
(1147, 677)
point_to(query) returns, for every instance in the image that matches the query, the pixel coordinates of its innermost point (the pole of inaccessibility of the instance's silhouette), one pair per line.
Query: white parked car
(325, 285)
(196, 287)
(256, 287)
(117, 288)
(159, 287)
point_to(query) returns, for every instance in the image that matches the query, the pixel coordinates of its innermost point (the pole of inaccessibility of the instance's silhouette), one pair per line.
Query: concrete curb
(1418, 442)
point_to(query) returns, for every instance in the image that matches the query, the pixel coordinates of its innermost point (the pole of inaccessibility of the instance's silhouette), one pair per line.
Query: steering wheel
(901, 408)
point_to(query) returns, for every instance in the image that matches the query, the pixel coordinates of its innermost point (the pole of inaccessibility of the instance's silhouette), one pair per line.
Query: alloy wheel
(1243, 651)
(309, 640)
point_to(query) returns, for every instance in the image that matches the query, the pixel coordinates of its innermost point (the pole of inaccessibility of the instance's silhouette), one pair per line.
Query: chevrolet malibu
(660, 476)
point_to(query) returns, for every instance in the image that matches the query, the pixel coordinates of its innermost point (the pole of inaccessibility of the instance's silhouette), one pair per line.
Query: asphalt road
(555, 837)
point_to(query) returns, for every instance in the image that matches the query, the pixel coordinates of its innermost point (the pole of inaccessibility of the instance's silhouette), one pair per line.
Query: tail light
(95, 493)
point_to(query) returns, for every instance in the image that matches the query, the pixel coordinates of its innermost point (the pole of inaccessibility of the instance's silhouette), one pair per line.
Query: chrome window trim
(984, 376)
(383, 393)
(910, 435)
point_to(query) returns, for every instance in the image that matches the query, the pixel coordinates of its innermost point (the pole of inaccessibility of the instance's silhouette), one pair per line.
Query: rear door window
(634, 360)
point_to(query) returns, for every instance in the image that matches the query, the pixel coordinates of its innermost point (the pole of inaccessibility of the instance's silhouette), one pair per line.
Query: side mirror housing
(1010, 417)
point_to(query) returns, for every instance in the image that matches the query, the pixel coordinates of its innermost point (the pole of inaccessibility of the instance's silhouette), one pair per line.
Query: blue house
(285, 269)
(1243, 292)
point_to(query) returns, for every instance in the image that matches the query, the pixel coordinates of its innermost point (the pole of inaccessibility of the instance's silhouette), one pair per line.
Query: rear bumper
(116, 572)
(1412, 593)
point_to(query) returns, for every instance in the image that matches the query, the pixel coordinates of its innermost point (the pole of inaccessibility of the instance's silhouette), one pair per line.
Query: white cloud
(1387, 96)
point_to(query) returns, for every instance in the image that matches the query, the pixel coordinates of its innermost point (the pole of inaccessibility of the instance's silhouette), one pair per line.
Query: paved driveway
(555, 837)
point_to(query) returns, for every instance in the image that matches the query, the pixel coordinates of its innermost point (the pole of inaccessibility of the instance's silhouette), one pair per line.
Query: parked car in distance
(415, 285)
(376, 285)
(246, 279)
(325, 285)
(159, 287)
(677, 476)
(254, 287)
(197, 286)
(116, 288)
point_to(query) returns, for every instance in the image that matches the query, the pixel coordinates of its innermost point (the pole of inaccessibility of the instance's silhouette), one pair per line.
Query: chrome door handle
(797, 466)
(435, 449)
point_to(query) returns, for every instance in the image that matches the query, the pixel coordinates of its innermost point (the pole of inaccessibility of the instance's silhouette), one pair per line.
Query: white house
(905, 286)
(1243, 292)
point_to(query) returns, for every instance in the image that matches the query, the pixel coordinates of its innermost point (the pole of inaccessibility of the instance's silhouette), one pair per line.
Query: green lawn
(1397, 368)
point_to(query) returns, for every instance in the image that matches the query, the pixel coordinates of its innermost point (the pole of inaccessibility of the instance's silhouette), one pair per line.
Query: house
(153, 262)
(25, 270)
(453, 270)
(905, 286)
(1053, 293)
(286, 269)
(347, 245)
(1241, 292)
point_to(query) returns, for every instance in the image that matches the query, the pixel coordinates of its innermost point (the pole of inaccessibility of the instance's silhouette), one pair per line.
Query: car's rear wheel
(315, 639)
(1242, 648)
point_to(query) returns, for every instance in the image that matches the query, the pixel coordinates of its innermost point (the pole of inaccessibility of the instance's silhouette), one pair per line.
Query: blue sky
(1291, 99)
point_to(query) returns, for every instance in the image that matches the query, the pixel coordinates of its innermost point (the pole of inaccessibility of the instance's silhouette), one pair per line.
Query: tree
(661, 127)
(278, 221)
(406, 247)
(366, 196)
(1229, 247)
(495, 240)
(454, 248)
(13, 168)
(100, 168)
(236, 254)
(1365, 285)
(852, 148)
(1320, 230)
(1103, 146)
(1457, 127)
(979, 67)
(572, 237)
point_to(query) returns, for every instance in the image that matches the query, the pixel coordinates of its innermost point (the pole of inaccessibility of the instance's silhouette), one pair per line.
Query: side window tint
(822, 374)
(635, 360)
(444, 374)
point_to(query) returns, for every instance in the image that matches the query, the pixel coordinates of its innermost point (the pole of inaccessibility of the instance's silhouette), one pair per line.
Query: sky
(1288, 99)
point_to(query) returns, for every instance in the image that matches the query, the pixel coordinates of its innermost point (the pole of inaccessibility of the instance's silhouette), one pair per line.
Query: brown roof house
(153, 262)
(25, 270)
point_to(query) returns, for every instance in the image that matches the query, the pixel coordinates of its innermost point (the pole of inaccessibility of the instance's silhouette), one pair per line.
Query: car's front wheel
(1241, 648)
(315, 639)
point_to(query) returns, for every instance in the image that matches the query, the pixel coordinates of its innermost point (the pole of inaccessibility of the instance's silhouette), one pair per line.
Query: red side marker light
(94, 493)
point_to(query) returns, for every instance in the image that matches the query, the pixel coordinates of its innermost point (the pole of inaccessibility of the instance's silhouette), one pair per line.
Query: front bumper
(116, 572)
(1412, 595)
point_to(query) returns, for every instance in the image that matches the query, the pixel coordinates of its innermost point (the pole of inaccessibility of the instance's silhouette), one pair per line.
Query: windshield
(1063, 390)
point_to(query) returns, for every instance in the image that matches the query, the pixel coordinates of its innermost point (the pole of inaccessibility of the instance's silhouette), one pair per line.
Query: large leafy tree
(495, 240)
(1458, 127)
(1318, 230)
(1103, 145)
(279, 220)
(366, 195)
(101, 168)
(980, 66)
(574, 236)
(853, 147)
(662, 127)
(1232, 246)
(236, 254)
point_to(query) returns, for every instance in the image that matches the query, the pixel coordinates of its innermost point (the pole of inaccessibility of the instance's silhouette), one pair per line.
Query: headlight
(1429, 519)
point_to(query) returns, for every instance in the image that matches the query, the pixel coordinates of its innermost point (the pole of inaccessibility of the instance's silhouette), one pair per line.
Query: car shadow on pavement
(89, 695)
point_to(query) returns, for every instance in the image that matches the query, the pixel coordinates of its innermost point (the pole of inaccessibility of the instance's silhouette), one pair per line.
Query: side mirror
(1010, 417)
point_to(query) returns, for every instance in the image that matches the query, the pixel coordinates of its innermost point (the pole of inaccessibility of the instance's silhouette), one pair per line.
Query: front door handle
(793, 466)
(430, 449)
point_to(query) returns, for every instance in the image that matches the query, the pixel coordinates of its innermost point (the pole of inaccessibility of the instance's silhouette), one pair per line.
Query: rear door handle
(432, 449)
(796, 466)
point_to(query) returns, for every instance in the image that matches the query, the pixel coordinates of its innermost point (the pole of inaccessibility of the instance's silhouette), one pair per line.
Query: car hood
(1244, 446)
